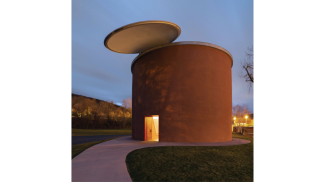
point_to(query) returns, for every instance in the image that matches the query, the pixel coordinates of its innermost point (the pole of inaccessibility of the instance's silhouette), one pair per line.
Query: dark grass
(77, 149)
(189, 163)
(92, 132)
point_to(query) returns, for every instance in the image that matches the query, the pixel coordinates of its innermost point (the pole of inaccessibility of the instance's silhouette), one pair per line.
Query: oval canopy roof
(141, 36)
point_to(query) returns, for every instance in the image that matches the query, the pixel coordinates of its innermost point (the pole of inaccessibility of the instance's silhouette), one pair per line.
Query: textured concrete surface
(85, 139)
(106, 161)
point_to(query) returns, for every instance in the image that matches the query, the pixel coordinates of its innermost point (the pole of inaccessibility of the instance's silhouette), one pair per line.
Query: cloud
(96, 74)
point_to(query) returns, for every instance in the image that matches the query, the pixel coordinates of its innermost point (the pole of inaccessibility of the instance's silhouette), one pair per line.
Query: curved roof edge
(137, 24)
(183, 43)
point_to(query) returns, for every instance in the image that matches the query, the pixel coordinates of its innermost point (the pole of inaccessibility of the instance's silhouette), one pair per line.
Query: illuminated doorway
(151, 128)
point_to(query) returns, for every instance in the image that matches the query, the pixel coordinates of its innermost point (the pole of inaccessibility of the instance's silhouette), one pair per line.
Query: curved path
(106, 161)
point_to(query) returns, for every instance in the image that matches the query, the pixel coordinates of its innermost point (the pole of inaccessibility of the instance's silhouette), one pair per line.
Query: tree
(248, 67)
(240, 111)
(124, 104)
(129, 101)
(127, 104)
(78, 106)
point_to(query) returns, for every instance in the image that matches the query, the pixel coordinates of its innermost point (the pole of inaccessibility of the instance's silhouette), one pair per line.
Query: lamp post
(235, 121)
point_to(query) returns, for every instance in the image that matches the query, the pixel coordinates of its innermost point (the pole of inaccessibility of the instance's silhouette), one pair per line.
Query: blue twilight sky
(102, 74)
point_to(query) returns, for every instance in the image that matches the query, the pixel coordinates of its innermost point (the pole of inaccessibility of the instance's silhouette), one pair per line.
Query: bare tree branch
(248, 66)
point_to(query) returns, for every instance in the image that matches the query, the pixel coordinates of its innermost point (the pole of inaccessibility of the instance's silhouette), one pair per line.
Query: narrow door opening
(151, 128)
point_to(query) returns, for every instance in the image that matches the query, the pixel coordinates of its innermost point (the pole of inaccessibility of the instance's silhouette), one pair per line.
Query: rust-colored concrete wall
(189, 87)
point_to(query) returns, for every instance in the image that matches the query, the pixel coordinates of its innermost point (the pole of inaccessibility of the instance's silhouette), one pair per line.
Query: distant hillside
(91, 113)
(97, 100)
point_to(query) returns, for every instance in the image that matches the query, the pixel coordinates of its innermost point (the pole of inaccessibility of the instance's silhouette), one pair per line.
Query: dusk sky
(102, 74)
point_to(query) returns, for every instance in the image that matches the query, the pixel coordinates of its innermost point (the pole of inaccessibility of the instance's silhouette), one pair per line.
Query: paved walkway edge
(106, 161)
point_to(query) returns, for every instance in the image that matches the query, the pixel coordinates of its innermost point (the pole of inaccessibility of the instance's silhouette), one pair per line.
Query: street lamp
(234, 120)
(246, 118)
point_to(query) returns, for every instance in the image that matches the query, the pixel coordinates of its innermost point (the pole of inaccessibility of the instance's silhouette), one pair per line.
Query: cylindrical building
(188, 85)
(181, 92)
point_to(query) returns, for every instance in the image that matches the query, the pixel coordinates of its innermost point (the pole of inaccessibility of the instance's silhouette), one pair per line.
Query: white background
(288, 90)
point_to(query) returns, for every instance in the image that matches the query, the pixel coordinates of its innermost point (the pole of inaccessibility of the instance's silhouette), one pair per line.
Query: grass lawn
(77, 149)
(189, 163)
(92, 132)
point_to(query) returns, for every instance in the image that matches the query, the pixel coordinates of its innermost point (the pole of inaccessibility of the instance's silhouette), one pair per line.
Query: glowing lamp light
(246, 117)
(234, 118)
(155, 117)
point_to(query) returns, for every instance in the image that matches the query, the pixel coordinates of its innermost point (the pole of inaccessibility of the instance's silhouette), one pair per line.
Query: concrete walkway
(106, 161)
